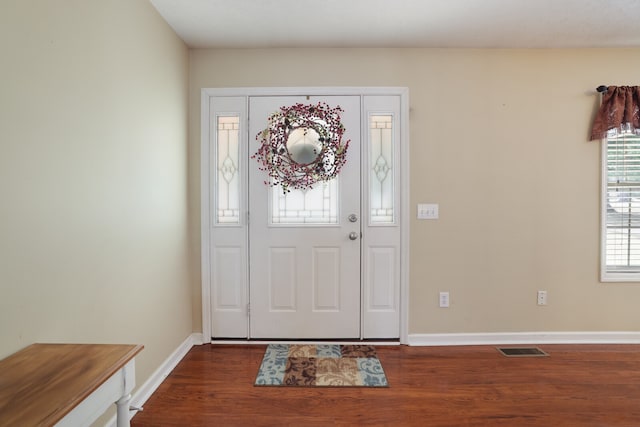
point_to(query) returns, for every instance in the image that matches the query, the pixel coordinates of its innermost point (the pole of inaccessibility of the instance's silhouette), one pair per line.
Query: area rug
(329, 365)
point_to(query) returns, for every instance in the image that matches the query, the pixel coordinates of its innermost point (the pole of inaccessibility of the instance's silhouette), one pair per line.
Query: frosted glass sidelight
(318, 205)
(228, 180)
(381, 172)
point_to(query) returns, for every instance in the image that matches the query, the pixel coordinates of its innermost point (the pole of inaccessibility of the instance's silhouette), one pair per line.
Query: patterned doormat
(329, 365)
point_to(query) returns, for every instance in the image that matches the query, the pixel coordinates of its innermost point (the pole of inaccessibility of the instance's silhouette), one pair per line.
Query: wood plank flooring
(578, 385)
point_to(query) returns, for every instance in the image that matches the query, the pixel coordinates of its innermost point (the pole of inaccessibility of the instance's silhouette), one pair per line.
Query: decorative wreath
(320, 156)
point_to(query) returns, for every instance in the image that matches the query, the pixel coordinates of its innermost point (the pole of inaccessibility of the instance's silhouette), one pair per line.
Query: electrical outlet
(444, 299)
(542, 297)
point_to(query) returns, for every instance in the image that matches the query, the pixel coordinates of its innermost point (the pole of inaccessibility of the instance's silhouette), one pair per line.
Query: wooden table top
(42, 383)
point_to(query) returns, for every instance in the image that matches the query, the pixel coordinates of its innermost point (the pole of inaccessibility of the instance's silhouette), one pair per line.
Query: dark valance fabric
(620, 109)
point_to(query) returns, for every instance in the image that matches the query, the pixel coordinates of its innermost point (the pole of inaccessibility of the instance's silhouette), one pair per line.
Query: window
(381, 185)
(621, 207)
(318, 205)
(228, 183)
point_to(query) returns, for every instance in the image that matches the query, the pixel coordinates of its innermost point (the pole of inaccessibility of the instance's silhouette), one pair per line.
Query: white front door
(304, 246)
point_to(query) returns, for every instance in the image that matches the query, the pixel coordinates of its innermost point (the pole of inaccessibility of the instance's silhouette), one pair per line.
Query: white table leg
(122, 416)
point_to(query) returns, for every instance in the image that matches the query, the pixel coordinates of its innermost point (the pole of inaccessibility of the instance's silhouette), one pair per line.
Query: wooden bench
(66, 384)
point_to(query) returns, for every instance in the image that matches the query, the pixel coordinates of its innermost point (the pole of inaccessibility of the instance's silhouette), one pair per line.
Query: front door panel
(304, 247)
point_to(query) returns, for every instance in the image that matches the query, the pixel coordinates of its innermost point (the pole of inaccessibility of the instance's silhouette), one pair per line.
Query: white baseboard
(145, 391)
(508, 338)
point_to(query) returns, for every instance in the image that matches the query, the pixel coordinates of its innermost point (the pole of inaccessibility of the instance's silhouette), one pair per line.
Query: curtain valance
(620, 109)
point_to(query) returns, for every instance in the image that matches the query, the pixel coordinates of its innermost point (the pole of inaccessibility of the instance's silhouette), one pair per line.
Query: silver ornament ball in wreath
(302, 145)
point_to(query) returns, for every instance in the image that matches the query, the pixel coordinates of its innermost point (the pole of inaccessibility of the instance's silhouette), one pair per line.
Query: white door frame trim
(205, 190)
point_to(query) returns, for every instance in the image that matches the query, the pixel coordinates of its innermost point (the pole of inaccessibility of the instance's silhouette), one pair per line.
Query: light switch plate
(428, 211)
(444, 300)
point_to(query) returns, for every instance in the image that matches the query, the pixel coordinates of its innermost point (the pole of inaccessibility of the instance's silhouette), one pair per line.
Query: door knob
(353, 235)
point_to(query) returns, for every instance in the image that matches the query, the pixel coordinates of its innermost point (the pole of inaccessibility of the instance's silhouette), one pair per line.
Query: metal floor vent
(522, 352)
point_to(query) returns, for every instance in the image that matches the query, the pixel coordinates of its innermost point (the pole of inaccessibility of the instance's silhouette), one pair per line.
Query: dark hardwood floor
(578, 385)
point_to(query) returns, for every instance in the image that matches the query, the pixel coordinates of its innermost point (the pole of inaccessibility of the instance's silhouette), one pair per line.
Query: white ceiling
(404, 23)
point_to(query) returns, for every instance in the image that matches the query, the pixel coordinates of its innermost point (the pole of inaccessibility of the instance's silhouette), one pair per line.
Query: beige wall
(499, 140)
(99, 220)
(93, 189)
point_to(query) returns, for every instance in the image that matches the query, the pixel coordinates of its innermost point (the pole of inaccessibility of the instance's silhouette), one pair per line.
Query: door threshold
(244, 341)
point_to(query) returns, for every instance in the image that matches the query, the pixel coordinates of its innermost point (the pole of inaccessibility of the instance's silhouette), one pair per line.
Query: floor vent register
(522, 352)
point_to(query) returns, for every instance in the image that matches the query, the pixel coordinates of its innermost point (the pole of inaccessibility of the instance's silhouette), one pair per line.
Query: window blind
(622, 196)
